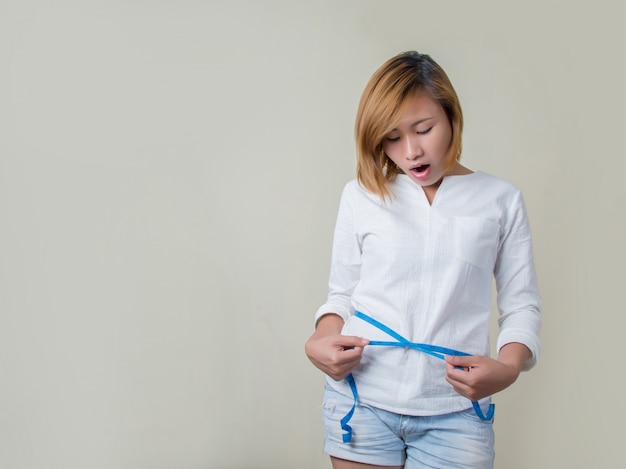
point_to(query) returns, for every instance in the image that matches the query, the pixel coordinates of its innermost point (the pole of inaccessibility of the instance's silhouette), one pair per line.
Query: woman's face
(419, 144)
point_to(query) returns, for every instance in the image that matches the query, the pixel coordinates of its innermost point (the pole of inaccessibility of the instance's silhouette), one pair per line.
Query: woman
(418, 240)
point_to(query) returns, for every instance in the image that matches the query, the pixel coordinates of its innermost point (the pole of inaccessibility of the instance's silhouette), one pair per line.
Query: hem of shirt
(460, 403)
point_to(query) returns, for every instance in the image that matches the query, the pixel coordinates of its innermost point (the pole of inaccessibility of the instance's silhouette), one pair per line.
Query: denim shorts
(455, 440)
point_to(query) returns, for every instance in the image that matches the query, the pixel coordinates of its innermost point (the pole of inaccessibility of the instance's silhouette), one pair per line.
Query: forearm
(515, 355)
(328, 324)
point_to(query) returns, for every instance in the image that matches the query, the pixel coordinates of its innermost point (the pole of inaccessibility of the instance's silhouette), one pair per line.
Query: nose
(413, 149)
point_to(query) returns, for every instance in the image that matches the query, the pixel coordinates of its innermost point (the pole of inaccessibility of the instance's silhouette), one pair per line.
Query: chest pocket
(476, 241)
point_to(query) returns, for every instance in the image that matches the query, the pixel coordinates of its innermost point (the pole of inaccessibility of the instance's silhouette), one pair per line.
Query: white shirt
(426, 271)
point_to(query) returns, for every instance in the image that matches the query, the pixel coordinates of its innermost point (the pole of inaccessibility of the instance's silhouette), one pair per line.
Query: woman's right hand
(335, 354)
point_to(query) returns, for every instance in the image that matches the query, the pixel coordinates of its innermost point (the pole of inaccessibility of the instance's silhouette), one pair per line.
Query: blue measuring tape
(435, 351)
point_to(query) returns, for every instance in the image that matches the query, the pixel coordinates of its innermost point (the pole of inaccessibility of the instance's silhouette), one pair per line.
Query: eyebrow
(416, 123)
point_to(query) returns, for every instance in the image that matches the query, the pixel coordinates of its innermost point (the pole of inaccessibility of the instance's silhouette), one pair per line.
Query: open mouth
(421, 168)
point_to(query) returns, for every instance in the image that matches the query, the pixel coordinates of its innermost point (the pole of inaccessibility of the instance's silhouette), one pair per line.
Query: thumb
(459, 361)
(348, 341)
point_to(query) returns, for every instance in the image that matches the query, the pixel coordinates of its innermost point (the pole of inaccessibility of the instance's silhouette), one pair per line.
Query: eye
(423, 132)
(392, 139)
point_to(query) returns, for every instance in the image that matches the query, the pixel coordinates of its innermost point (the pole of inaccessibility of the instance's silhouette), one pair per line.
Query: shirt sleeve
(519, 301)
(345, 266)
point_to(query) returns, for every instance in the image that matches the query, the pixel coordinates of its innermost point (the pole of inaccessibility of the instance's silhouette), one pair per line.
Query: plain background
(170, 173)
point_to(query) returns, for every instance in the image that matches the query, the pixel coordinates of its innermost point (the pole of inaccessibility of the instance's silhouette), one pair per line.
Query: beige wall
(169, 179)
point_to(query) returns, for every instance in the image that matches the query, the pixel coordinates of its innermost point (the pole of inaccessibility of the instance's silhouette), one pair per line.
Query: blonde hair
(397, 81)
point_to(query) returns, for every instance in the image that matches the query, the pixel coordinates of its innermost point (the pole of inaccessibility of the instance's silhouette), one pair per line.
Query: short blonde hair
(398, 80)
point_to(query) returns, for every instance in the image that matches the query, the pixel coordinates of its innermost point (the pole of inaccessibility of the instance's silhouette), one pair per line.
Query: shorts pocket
(470, 414)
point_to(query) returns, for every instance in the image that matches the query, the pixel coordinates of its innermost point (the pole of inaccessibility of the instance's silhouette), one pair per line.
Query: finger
(458, 375)
(459, 387)
(465, 362)
(455, 375)
(350, 354)
(348, 342)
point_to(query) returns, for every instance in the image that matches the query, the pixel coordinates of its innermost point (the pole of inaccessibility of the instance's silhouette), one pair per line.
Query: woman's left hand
(481, 376)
